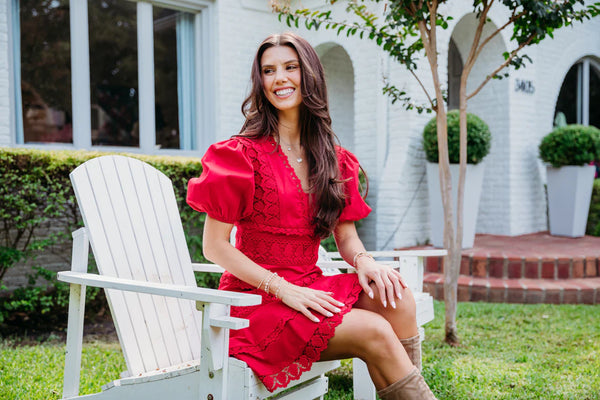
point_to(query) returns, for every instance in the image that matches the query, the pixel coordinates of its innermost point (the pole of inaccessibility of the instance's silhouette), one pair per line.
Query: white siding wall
(4, 76)
(387, 139)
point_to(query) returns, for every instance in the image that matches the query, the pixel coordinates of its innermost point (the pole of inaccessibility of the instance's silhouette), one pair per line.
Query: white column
(145, 34)
(80, 75)
(585, 92)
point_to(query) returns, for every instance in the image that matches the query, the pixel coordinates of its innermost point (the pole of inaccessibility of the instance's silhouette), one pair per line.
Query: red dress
(250, 183)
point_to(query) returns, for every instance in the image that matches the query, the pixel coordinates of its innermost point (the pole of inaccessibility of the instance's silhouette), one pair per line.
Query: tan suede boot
(411, 387)
(412, 346)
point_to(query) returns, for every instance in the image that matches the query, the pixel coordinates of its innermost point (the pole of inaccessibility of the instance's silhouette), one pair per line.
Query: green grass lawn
(508, 351)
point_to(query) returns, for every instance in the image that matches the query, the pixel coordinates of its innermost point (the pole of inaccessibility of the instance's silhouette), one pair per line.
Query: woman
(285, 185)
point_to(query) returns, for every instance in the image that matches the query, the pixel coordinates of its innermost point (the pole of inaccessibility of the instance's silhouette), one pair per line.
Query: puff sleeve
(225, 189)
(356, 208)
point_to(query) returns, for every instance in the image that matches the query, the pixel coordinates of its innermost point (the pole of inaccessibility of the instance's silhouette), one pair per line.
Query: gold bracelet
(262, 281)
(281, 282)
(361, 254)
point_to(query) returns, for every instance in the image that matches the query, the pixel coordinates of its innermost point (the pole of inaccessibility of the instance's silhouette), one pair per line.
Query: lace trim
(250, 225)
(266, 197)
(266, 248)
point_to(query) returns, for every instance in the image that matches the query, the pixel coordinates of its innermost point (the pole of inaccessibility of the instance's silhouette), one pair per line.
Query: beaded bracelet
(273, 275)
(361, 254)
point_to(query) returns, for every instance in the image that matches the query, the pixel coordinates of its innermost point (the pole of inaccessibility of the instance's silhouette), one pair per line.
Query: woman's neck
(289, 128)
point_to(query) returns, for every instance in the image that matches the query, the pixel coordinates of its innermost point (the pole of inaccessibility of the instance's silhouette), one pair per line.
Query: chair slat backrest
(131, 214)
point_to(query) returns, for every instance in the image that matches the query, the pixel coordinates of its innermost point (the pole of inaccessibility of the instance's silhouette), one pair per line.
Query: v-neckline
(293, 174)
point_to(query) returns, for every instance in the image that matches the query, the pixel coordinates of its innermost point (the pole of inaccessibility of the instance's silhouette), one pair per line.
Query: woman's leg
(370, 337)
(403, 318)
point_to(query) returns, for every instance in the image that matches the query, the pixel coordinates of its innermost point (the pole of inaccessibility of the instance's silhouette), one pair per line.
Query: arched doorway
(339, 74)
(455, 67)
(579, 98)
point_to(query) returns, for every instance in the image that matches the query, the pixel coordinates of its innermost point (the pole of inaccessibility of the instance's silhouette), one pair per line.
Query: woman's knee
(407, 304)
(378, 339)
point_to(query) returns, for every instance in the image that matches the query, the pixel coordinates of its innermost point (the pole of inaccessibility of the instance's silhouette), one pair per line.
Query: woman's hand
(389, 282)
(304, 299)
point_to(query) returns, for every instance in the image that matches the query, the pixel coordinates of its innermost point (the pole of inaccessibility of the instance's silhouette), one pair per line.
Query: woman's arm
(388, 281)
(217, 249)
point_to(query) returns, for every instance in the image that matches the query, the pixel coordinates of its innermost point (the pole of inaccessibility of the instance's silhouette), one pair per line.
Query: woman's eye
(268, 71)
(292, 67)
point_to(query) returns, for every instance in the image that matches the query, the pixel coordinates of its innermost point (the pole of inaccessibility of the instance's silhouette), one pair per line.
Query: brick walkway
(533, 268)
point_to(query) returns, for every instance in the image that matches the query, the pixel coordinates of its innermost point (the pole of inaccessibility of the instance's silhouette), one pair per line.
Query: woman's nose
(281, 76)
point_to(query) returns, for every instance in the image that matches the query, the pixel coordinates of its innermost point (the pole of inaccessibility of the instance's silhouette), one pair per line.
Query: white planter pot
(473, 184)
(569, 195)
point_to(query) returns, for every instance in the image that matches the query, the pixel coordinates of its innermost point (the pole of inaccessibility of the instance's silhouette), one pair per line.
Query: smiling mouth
(284, 92)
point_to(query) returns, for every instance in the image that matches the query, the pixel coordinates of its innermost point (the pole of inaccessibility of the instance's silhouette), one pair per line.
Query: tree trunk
(452, 260)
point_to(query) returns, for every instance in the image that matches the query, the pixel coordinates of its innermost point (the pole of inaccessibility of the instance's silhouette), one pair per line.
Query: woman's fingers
(389, 290)
(305, 299)
(363, 280)
(308, 314)
(381, 288)
(397, 286)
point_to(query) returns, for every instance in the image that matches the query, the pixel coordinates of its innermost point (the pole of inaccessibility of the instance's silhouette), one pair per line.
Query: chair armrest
(400, 253)
(198, 267)
(161, 289)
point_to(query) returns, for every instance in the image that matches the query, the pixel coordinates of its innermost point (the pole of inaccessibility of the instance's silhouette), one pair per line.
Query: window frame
(204, 90)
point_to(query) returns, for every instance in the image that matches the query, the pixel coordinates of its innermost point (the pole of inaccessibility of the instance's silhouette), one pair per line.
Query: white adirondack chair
(410, 264)
(174, 335)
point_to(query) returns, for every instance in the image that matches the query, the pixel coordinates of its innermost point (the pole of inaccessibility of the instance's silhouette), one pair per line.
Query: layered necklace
(289, 149)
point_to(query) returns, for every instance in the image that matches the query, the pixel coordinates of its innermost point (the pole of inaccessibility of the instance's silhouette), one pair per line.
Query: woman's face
(281, 77)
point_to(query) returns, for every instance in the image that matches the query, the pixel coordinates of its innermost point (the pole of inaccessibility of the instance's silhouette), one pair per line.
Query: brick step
(482, 265)
(502, 290)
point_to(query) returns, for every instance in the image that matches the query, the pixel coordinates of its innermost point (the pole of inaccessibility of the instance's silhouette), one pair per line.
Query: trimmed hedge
(479, 139)
(593, 222)
(38, 210)
(571, 145)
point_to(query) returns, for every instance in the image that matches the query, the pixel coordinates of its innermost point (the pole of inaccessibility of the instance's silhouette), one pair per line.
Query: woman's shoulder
(242, 142)
(345, 156)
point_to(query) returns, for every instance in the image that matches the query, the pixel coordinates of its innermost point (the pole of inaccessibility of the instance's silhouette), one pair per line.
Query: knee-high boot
(411, 387)
(412, 346)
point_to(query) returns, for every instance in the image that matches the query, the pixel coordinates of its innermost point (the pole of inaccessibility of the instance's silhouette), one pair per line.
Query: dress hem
(312, 350)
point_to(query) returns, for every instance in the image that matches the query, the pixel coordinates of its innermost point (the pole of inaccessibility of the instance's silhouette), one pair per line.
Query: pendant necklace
(298, 159)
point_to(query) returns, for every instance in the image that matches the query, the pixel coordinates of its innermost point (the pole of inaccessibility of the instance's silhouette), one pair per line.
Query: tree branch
(432, 6)
(472, 57)
(433, 106)
(512, 19)
(504, 64)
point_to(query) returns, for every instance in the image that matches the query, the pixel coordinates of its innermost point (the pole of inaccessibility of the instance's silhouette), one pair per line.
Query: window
(579, 97)
(131, 75)
(45, 74)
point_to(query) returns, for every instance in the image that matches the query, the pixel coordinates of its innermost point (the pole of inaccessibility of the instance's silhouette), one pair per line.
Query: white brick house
(223, 36)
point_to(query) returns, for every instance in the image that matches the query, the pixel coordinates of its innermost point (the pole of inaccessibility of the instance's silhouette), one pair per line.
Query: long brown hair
(316, 135)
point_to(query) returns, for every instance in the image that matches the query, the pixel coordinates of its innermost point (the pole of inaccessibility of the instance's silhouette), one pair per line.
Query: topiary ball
(479, 139)
(571, 145)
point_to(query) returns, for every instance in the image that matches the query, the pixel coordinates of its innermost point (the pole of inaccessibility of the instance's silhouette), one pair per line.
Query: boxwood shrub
(478, 139)
(571, 145)
(38, 211)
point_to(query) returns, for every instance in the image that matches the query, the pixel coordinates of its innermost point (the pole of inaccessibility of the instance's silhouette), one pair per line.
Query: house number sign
(524, 86)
